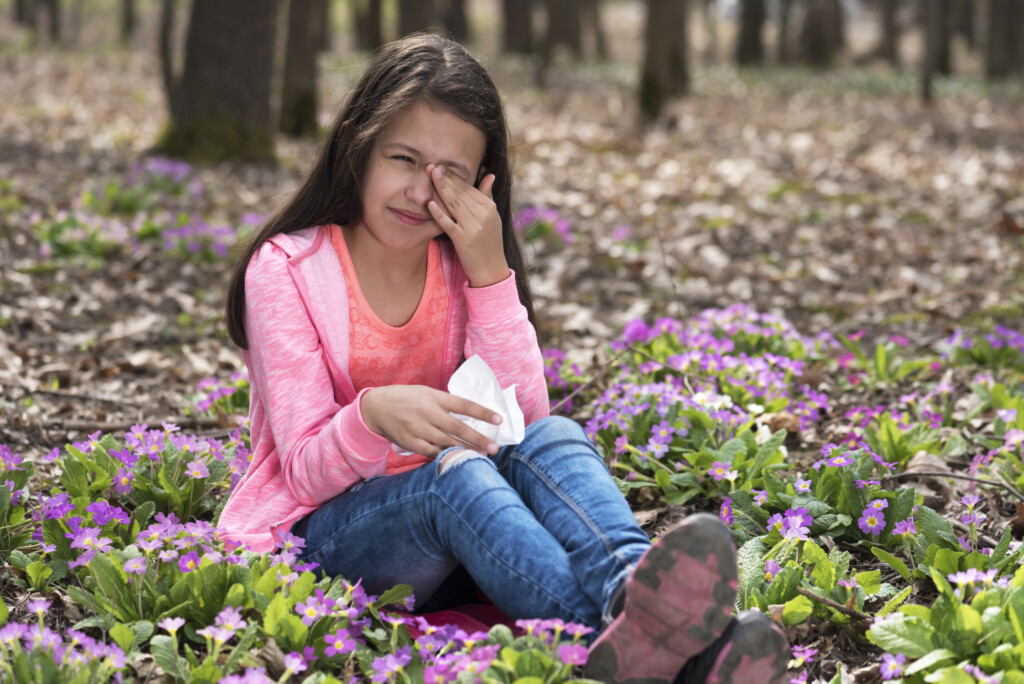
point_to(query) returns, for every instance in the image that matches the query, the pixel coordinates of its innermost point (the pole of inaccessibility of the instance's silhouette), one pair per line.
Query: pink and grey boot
(678, 602)
(752, 650)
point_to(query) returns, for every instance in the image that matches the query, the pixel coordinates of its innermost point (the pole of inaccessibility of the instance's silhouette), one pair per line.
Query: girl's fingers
(446, 222)
(465, 407)
(486, 185)
(457, 194)
(467, 436)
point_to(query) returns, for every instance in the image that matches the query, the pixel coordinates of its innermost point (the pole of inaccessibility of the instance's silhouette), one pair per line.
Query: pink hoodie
(309, 440)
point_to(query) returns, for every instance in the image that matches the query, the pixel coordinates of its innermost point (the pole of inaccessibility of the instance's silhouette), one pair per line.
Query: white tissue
(474, 380)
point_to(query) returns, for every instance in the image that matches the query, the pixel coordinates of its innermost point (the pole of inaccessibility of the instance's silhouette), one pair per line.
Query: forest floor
(833, 198)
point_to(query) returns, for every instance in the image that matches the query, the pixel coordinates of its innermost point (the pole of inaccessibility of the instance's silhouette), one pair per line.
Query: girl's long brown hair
(418, 68)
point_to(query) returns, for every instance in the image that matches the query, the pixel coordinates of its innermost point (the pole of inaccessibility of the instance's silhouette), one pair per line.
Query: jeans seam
(572, 505)
(541, 588)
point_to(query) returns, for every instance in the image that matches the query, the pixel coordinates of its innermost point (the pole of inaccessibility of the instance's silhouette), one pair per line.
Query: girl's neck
(383, 265)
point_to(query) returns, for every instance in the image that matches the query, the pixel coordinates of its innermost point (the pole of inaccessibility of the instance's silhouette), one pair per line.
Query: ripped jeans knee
(453, 457)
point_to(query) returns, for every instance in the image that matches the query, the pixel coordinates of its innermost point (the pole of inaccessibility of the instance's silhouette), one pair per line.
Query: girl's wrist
(492, 278)
(367, 416)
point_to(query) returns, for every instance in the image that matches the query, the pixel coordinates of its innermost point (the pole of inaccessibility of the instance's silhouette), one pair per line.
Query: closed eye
(402, 158)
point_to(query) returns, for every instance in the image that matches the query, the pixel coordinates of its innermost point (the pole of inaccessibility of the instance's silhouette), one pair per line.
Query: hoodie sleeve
(324, 447)
(499, 330)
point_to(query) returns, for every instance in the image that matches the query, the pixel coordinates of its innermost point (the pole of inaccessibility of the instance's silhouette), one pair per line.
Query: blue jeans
(541, 528)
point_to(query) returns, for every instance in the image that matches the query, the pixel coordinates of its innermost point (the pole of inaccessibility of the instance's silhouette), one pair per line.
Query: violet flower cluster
(75, 651)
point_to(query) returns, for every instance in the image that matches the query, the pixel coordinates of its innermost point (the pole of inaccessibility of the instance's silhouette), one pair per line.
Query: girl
(353, 306)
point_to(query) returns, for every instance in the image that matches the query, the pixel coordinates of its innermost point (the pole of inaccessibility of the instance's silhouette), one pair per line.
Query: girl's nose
(420, 188)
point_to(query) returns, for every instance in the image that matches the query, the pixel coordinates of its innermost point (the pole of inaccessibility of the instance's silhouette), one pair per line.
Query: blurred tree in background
(220, 103)
(665, 72)
(238, 70)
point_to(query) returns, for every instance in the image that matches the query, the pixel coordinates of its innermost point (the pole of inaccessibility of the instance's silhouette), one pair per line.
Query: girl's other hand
(470, 218)
(419, 419)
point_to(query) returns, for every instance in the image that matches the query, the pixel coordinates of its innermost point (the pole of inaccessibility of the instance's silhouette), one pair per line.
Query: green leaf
(824, 574)
(510, 656)
(1002, 546)
(103, 621)
(796, 610)
(751, 570)
(4, 613)
(680, 497)
(38, 573)
(162, 647)
(870, 581)
(939, 655)
(123, 636)
(501, 634)
(904, 634)
(730, 449)
(143, 631)
(783, 587)
(242, 648)
(966, 619)
(895, 602)
(881, 362)
(19, 560)
(950, 675)
(395, 595)
(935, 528)
(892, 561)
(947, 561)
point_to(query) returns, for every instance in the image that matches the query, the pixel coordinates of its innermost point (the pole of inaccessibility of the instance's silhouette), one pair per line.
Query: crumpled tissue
(474, 380)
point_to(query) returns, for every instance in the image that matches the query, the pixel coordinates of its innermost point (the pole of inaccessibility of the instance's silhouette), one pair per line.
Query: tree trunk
(665, 73)
(222, 107)
(322, 28)
(416, 15)
(563, 27)
(783, 50)
(53, 18)
(369, 29)
(171, 84)
(942, 36)
(934, 26)
(456, 21)
(1003, 51)
(21, 12)
(128, 21)
(750, 42)
(707, 10)
(889, 48)
(822, 24)
(962, 21)
(298, 94)
(518, 26)
(590, 17)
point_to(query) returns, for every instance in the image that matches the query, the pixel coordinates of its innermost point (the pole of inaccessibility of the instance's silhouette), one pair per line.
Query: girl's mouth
(410, 219)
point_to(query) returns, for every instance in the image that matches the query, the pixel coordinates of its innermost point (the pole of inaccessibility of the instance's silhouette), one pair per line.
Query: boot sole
(678, 601)
(757, 653)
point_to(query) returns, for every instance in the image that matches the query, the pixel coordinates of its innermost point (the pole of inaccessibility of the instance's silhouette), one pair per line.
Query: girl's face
(397, 188)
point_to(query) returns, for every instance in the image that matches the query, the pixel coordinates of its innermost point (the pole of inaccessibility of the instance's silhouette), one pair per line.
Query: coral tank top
(382, 354)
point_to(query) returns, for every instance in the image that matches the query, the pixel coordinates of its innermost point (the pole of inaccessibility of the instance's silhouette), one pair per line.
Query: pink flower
(188, 562)
(573, 654)
(135, 565)
(198, 470)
